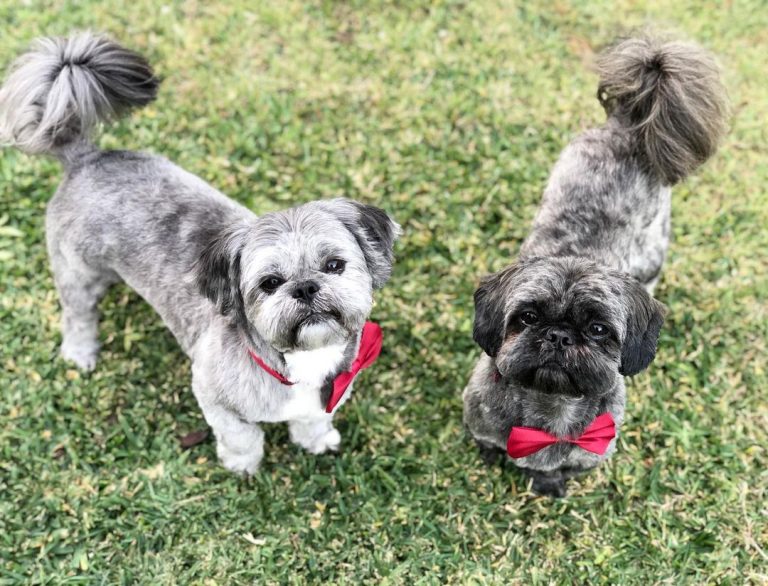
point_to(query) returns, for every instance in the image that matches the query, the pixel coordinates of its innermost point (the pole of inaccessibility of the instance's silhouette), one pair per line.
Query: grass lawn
(449, 115)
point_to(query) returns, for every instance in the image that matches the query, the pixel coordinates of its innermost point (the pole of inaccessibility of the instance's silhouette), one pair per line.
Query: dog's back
(117, 215)
(608, 197)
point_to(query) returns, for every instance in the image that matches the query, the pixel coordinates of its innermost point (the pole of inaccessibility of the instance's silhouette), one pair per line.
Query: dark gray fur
(671, 95)
(197, 257)
(599, 240)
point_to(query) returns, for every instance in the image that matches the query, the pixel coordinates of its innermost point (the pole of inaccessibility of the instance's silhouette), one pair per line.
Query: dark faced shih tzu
(564, 325)
(272, 310)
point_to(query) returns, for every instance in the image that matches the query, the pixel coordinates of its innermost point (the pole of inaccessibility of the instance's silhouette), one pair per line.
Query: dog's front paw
(243, 464)
(83, 355)
(490, 455)
(328, 441)
(551, 487)
(315, 436)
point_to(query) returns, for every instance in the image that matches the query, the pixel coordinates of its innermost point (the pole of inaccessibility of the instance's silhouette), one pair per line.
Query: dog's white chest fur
(308, 370)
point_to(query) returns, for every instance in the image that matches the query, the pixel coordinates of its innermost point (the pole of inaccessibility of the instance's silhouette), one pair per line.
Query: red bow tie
(524, 441)
(370, 348)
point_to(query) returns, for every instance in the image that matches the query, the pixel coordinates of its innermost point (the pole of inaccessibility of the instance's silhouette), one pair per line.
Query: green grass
(449, 115)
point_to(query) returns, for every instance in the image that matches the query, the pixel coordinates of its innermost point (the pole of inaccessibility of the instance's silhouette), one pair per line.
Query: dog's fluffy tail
(59, 91)
(671, 95)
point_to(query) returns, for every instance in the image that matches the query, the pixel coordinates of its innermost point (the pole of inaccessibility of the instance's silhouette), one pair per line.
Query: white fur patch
(308, 370)
(320, 336)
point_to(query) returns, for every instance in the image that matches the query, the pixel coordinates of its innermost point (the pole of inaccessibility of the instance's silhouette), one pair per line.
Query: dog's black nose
(559, 337)
(306, 291)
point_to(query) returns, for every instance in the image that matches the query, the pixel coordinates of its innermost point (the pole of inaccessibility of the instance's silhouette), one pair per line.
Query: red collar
(370, 348)
(524, 441)
(270, 371)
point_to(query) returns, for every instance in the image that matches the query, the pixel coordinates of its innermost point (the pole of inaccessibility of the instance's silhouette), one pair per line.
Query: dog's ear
(375, 233)
(488, 330)
(217, 272)
(646, 315)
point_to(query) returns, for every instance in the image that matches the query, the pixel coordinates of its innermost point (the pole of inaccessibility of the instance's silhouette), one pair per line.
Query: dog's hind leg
(80, 288)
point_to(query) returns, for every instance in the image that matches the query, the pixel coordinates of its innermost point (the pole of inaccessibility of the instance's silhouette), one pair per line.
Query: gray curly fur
(59, 91)
(671, 95)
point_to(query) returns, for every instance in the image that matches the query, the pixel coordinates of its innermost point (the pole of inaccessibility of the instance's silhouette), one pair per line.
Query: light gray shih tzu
(272, 310)
(563, 325)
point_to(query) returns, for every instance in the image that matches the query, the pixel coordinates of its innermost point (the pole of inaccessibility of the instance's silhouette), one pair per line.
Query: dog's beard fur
(298, 327)
(567, 296)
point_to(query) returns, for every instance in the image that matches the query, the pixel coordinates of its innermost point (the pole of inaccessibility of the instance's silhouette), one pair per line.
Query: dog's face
(566, 325)
(302, 278)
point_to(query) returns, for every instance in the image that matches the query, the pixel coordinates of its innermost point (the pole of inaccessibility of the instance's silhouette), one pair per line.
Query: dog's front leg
(550, 483)
(315, 435)
(239, 444)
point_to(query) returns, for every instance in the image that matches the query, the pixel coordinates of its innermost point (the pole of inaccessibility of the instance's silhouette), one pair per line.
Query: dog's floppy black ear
(488, 330)
(646, 315)
(217, 272)
(375, 233)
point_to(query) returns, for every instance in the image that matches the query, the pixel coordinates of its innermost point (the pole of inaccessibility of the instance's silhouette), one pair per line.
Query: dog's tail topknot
(62, 88)
(671, 95)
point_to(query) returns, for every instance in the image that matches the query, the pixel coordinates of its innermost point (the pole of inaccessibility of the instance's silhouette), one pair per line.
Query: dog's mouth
(551, 377)
(317, 328)
(318, 317)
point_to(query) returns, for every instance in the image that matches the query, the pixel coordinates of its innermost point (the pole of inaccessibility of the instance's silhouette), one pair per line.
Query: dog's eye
(270, 284)
(598, 330)
(335, 265)
(528, 318)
